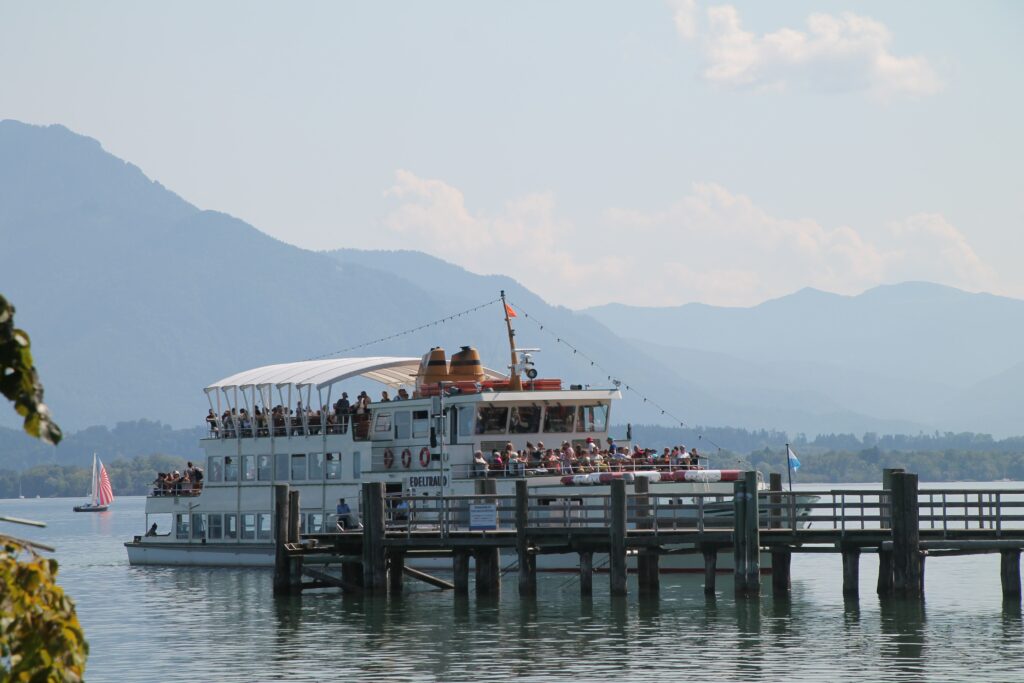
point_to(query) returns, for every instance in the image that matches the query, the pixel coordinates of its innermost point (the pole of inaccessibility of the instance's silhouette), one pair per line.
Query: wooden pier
(901, 523)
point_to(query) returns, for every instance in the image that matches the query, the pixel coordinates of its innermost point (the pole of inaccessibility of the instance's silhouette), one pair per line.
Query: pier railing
(940, 509)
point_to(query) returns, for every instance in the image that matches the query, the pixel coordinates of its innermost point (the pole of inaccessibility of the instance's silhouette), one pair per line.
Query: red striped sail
(104, 494)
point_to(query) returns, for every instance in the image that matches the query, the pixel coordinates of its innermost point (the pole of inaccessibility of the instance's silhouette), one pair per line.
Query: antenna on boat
(514, 382)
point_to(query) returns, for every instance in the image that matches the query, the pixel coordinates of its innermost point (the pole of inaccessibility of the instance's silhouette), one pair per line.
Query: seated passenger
(479, 464)
(152, 530)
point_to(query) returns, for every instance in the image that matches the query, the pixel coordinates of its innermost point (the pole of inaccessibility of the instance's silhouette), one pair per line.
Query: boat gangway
(901, 523)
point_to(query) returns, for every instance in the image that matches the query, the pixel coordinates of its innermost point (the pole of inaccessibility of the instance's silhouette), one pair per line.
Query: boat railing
(516, 469)
(846, 510)
(263, 426)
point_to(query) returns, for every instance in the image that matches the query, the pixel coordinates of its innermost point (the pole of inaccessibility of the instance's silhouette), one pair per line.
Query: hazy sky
(644, 152)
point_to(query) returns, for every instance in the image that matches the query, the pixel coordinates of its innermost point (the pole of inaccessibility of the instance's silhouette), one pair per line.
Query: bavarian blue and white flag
(794, 461)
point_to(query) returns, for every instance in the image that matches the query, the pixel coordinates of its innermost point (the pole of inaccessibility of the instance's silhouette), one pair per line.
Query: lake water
(156, 624)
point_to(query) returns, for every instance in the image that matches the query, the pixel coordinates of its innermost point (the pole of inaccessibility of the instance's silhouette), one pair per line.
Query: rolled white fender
(704, 476)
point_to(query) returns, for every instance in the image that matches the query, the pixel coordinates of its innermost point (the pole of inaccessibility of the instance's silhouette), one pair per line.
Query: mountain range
(135, 299)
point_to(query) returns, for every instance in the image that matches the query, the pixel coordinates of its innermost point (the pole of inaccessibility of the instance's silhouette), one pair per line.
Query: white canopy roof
(390, 370)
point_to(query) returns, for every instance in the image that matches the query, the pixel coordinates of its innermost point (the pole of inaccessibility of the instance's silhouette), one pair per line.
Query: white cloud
(684, 14)
(711, 245)
(835, 53)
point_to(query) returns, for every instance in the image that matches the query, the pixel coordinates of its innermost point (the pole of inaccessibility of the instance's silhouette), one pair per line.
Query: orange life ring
(424, 457)
(406, 458)
(389, 458)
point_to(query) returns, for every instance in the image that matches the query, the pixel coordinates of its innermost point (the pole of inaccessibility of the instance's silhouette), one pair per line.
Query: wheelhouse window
(231, 468)
(420, 423)
(524, 420)
(248, 526)
(264, 468)
(382, 424)
(467, 419)
(248, 468)
(299, 467)
(315, 462)
(215, 531)
(491, 419)
(559, 419)
(403, 424)
(263, 526)
(333, 469)
(216, 468)
(181, 526)
(231, 526)
(357, 467)
(592, 418)
(281, 464)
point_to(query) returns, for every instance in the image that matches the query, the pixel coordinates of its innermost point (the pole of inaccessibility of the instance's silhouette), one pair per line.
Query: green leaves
(19, 381)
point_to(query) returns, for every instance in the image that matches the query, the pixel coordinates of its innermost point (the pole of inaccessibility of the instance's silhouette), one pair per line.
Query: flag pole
(789, 469)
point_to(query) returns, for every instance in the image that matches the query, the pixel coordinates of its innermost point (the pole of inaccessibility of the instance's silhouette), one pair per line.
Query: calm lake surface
(155, 624)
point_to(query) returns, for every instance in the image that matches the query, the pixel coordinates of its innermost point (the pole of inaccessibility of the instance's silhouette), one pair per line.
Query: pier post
(885, 578)
(282, 565)
(488, 571)
(647, 573)
(746, 536)
(710, 553)
(396, 571)
(586, 573)
(351, 575)
(884, 572)
(617, 538)
(295, 566)
(460, 571)
(1009, 573)
(374, 559)
(851, 570)
(906, 551)
(527, 561)
(781, 584)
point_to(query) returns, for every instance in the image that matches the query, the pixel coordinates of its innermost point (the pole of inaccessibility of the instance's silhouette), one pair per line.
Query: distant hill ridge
(136, 299)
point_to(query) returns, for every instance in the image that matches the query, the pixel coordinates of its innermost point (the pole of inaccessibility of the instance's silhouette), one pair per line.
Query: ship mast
(514, 383)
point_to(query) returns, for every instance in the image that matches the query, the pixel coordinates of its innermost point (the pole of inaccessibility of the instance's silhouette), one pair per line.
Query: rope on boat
(411, 330)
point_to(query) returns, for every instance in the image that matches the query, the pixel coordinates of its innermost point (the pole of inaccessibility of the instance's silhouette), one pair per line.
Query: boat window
(333, 466)
(214, 530)
(198, 527)
(181, 526)
(382, 423)
(298, 466)
(216, 468)
(281, 465)
(403, 424)
(315, 462)
(525, 420)
(230, 468)
(491, 419)
(264, 468)
(357, 468)
(263, 526)
(315, 523)
(592, 418)
(467, 418)
(230, 526)
(248, 468)
(248, 526)
(420, 423)
(559, 419)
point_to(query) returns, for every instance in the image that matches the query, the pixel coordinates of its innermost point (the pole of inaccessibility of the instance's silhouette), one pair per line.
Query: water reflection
(902, 622)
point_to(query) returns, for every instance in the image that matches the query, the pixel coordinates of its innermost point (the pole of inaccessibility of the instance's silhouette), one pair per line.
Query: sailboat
(101, 495)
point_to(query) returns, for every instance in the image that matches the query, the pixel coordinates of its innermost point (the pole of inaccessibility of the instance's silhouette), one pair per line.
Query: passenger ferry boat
(422, 446)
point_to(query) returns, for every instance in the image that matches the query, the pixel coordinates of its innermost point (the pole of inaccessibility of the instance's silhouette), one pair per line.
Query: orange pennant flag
(509, 311)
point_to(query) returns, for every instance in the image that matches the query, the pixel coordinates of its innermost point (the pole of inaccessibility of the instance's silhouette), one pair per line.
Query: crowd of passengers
(335, 420)
(176, 483)
(537, 459)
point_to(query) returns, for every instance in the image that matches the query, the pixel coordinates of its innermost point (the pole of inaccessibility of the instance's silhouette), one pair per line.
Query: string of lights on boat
(542, 327)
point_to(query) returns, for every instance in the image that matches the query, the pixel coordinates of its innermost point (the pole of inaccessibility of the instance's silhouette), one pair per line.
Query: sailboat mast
(94, 487)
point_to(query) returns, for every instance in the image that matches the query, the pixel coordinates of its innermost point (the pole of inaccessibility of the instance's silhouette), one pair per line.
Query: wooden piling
(906, 552)
(884, 586)
(282, 565)
(396, 572)
(648, 576)
(710, 553)
(617, 538)
(1009, 573)
(586, 573)
(374, 558)
(352, 576)
(781, 559)
(295, 563)
(885, 562)
(746, 536)
(488, 571)
(460, 572)
(527, 561)
(851, 570)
